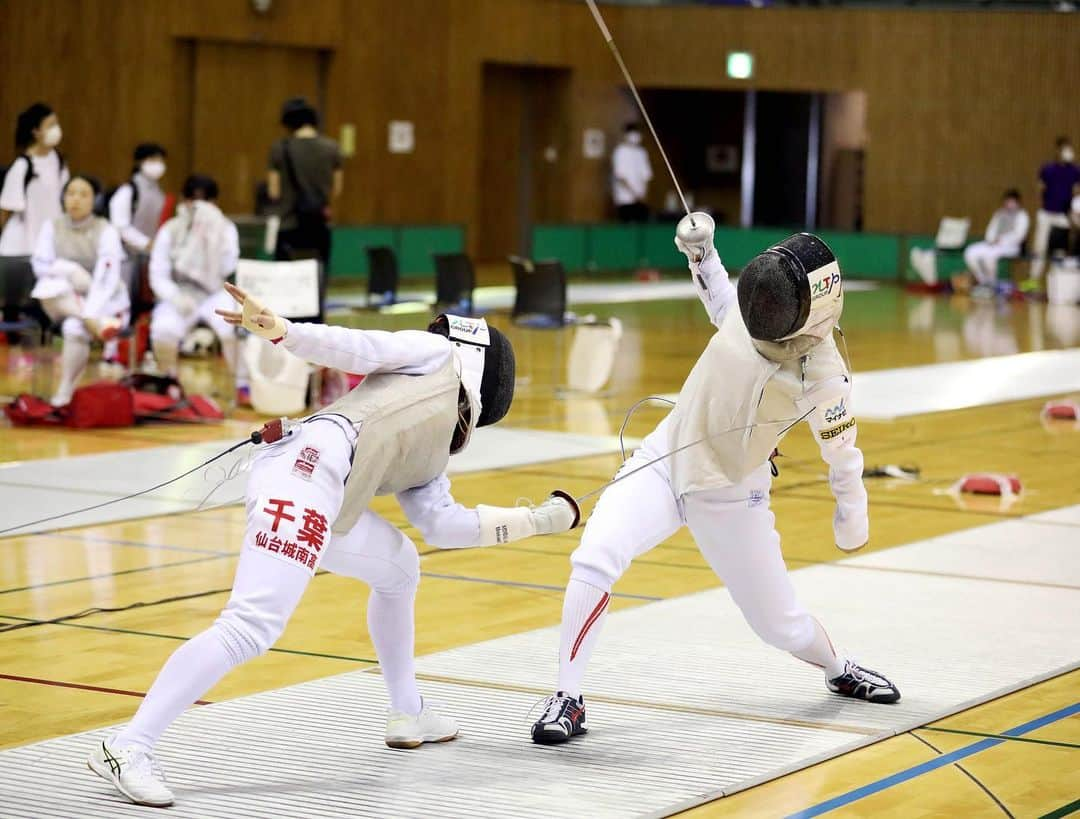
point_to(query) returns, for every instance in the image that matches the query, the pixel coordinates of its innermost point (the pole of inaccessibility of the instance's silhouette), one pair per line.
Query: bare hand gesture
(253, 316)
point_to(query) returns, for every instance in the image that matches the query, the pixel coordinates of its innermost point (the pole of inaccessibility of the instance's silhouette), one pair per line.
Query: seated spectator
(1004, 235)
(77, 262)
(192, 256)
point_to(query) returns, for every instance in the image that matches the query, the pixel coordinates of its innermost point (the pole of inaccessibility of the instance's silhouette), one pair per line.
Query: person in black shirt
(304, 179)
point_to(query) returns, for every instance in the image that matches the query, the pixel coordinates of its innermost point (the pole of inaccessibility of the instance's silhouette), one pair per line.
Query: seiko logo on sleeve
(832, 432)
(834, 414)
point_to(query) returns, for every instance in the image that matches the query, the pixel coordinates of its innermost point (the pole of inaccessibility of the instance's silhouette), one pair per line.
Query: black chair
(382, 275)
(541, 290)
(455, 280)
(20, 313)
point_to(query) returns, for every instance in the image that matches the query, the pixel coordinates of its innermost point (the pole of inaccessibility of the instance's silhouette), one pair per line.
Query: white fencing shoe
(136, 774)
(408, 731)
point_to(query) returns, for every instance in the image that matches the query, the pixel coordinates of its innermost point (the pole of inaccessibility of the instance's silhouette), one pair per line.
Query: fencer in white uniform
(192, 256)
(771, 363)
(307, 506)
(77, 264)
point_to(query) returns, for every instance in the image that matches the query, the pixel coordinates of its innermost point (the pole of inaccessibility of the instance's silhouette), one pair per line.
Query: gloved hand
(183, 302)
(851, 526)
(694, 236)
(559, 513)
(255, 317)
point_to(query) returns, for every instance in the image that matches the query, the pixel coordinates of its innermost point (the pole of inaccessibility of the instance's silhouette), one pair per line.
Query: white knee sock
(584, 609)
(821, 653)
(167, 354)
(189, 673)
(73, 360)
(390, 624)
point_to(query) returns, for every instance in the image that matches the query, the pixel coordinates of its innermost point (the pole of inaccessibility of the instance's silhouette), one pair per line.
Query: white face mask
(634, 137)
(52, 136)
(1067, 154)
(153, 169)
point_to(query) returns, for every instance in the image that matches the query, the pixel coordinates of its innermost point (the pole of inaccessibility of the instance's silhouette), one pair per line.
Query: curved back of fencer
(279, 380)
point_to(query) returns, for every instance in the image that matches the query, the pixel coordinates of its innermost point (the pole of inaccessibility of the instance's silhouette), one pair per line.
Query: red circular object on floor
(1065, 411)
(986, 484)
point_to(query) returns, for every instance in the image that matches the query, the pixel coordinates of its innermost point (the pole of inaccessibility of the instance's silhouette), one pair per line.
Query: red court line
(81, 687)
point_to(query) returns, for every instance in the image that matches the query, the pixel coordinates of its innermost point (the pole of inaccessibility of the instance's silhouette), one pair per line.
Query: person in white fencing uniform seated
(307, 506)
(771, 363)
(1005, 233)
(192, 256)
(77, 262)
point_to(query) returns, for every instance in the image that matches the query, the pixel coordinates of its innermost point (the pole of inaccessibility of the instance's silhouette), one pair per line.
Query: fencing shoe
(408, 731)
(563, 718)
(136, 774)
(863, 684)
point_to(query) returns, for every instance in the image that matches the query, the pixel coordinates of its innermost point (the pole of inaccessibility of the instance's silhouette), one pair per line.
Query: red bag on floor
(106, 404)
(30, 411)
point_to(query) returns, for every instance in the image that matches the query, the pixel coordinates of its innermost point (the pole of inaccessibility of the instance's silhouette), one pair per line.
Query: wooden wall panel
(960, 104)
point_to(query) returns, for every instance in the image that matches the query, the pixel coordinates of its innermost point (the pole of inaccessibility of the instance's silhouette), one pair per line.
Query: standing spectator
(192, 256)
(1057, 184)
(631, 173)
(305, 178)
(135, 207)
(1006, 232)
(33, 183)
(77, 263)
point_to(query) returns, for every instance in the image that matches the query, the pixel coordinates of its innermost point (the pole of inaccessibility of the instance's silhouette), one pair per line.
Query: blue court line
(538, 586)
(932, 765)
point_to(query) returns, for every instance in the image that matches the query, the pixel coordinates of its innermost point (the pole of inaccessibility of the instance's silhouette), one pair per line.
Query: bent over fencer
(308, 495)
(771, 363)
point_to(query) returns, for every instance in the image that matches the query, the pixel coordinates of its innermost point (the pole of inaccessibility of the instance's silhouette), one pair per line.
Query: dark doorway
(702, 133)
(523, 166)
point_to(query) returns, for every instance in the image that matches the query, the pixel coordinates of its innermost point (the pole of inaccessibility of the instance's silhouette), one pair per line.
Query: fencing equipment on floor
(1004, 235)
(718, 485)
(79, 284)
(193, 254)
(308, 493)
(32, 191)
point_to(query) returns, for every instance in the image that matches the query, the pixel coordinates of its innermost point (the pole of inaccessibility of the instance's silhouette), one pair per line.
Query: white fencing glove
(694, 236)
(255, 317)
(851, 526)
(499, 524)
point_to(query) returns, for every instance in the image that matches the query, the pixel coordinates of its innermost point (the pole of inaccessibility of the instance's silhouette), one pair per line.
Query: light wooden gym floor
(87, 671)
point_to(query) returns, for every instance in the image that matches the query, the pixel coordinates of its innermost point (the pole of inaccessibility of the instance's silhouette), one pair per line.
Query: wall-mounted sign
(593, 143)
(740, 65)
(402, 137)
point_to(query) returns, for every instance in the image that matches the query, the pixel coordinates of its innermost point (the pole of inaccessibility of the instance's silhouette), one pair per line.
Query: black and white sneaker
(863, 684)
(563, 718)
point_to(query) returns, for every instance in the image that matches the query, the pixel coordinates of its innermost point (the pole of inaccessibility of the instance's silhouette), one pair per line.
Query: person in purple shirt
(1057, 182)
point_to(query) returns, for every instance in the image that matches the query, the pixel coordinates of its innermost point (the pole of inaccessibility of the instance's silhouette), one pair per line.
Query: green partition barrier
(614, 247)
(416, 244)
(567, 243)
(348, 258)
(865, 255)
(949, 262)
(658, 247)
(737, 246)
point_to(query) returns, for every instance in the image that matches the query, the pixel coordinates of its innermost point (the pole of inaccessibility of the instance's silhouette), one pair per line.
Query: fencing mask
(791, 296)
(486, 361)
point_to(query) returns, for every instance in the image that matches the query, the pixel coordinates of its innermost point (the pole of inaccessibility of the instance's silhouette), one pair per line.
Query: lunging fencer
(307, 501)
(771, 362)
